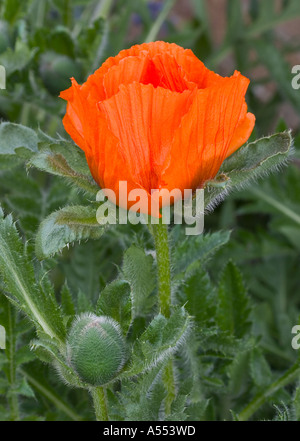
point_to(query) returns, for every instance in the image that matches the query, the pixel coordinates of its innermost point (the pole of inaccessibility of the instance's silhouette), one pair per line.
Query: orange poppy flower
(156, 117)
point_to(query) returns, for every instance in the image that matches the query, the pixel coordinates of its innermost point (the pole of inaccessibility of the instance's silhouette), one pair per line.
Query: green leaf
(197, 296)
(21, 286)
(83, 303)
(16, 139)
(138, 271)
(49, 352)
(63, 158)
(70, 224)
(114, 301)
(239, 373)
(160, 341)
(143, 399)
(67, 301)
(233, 309)
(190, 251)
(250, 162)
(24, 389)
(260, 370)
(87, 268)
(24, 355)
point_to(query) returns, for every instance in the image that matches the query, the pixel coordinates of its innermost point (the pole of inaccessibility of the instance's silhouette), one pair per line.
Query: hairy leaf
(20, 283)
(16, 139)
(63, 158)
(114, 301)
(233, 309)
(70, 224)
(139, 272)
(160, 341)
(250, 162)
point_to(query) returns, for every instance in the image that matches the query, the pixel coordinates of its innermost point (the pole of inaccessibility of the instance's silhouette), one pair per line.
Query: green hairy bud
(96, 348)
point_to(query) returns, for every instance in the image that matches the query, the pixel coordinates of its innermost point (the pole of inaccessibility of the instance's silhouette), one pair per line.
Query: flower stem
(100, 404)
(160, 234)
(262, 397)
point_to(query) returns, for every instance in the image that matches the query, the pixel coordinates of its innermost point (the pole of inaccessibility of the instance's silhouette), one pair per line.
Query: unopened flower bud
(96, 349)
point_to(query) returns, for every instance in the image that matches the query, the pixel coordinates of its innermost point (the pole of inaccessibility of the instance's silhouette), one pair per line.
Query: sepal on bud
(96, 349)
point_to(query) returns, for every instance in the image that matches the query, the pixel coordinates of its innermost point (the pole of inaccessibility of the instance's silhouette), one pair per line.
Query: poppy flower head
(156, 117)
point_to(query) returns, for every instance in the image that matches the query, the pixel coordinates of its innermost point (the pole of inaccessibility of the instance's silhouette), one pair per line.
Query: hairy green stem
(100, 403)
(160, 234)
(260, 399)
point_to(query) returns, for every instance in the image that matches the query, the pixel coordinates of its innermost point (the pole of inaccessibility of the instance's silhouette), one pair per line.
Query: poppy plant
(156, 117)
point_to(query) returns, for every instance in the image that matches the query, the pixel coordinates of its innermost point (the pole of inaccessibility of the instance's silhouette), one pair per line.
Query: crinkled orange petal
(144, 120)
(80, 120)
(72, 119)
(72, 129)
(108, 167)
(194, 69)
(242, 133)
(205, 135)
(162, 71)
(173, 77)
(129, 70)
